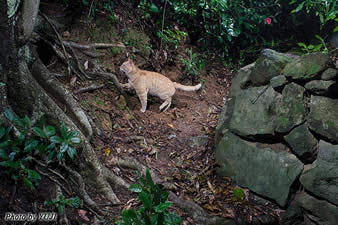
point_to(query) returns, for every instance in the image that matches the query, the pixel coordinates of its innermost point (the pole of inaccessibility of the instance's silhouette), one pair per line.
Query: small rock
(303, 143)
(268, 65)
(329, 74)
(278, 81)
(197, 141)
(319, 87)
(121, 102)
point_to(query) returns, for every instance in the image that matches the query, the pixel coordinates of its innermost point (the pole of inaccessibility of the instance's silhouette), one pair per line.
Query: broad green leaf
(39, 132)
(149, 179)
(164, 196)
(18, 121)
(64, 146)
(49, 130)
(141, 178)
(153, 8)
(3, 154)
(41, 148)
(59, 156)
(2, 132)
(335, 29)
(50, 155)
(75, 140)
(27, 121)
(299, 7)
(137, 188)
(55, 139)
(31, 145)
(63, 131)
(28, 183)
(61, 209)
(310, 47)
(71, 152)
(12, 155)
(10, 164)
(162, 207)
(300, 44)
(145, 198)
(5, 144)
(72, 134)
(75, 202)
(9, 115)
(33, 175)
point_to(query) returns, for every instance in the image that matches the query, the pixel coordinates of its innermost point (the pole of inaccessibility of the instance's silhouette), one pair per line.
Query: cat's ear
(131, 62)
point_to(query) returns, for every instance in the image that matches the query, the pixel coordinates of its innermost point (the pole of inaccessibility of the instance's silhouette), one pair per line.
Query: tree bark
(28, 88)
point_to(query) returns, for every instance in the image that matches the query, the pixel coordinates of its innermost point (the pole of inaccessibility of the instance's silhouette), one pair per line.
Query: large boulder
(268, 171)
(253, 112)
(323, 117)
(268, 65)
(321, 178)
(241, 80)
(262, 111)
(308, 210)
(306, 67)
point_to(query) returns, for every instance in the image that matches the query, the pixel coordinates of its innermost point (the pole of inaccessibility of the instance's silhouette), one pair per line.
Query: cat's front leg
(143, 99)
(127, 85)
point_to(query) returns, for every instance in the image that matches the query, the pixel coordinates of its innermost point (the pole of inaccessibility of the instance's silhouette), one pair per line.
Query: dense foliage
(21, 141)
(236, 29)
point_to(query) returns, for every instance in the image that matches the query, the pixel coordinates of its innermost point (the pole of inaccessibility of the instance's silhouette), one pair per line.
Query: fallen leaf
(72, 81)
(82, 214)
(170, 125)
(107, 151)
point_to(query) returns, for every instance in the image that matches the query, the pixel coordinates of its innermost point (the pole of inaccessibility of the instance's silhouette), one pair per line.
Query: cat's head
(128, 67)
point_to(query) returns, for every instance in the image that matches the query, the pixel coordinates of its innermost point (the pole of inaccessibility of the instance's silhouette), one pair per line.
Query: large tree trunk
(27, 88)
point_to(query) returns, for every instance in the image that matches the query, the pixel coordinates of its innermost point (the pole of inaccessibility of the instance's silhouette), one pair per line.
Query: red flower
(267, 20)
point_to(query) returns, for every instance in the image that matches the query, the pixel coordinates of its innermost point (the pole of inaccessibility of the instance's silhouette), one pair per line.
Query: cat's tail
(187, 88)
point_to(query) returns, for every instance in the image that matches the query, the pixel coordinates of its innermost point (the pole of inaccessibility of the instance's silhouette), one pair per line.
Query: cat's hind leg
(167, 103)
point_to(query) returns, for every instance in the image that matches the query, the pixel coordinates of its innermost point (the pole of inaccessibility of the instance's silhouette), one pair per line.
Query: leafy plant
(154, 209)
(238, 194)
(326, 10)
(321, 47)
(148, 7)
(17, 148)
(194, 65)
(171, 38)
(61, 202)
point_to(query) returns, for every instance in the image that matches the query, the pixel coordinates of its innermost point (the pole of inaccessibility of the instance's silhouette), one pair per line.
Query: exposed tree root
(92, 87)
(198, 213)
(56, 89)
(92, 46)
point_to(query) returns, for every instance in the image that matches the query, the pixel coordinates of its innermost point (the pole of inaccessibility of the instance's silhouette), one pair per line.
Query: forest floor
(178, 145)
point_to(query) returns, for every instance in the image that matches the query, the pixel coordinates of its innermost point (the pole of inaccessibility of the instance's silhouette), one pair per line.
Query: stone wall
(279, 130)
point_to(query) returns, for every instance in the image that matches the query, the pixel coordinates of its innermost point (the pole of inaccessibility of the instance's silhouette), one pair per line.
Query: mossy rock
(307, 66)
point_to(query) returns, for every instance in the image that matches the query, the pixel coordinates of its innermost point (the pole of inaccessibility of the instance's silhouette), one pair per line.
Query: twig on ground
(89, 88)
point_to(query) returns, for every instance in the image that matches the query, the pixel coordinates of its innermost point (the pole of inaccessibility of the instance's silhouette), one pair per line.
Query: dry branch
(92, 46)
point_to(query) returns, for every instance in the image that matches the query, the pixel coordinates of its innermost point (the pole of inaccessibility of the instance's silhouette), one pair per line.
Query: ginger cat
(145, 82)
